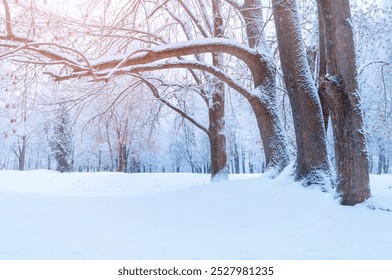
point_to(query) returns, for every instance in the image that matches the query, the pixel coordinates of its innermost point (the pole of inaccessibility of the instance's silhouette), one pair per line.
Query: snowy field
(47, 215)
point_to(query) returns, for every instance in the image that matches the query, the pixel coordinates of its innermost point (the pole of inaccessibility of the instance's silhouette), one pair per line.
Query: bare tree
(213, 94)
(259, 62)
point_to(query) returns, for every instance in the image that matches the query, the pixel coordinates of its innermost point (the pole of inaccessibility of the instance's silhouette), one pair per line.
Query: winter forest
(218, 87)
(195, 129)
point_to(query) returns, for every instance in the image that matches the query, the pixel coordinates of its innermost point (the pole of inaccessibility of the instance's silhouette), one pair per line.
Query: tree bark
(22, 153)
(312, 163)
(263, 101)
(216, 110)
(341, 90)
(216, 134)
(322, 70)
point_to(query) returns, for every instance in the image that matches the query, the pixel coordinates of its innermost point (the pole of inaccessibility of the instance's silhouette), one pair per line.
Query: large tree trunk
(263, 102)
(341, 90)
(216, 110)
(217, 139)
(312, 163)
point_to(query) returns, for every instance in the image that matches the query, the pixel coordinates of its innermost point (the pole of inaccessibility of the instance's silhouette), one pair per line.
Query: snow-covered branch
(79, 63)
(220, 74)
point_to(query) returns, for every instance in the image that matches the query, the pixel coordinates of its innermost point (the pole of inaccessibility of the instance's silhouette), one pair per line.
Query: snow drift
(48, 215)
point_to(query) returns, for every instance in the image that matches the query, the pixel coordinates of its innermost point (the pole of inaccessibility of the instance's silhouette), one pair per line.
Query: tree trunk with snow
(341, 90)
(217, 139)
(263, 101)
(312, 165)
(216, 131)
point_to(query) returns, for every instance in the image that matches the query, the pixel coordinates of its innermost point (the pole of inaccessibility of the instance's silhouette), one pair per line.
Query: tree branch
(234, 4)
(193, 18)
(259, 63)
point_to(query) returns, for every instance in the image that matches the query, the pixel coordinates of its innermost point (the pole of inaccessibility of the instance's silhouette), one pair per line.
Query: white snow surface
(48, 215)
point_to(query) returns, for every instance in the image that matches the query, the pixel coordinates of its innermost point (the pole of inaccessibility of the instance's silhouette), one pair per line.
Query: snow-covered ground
(47, 215)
